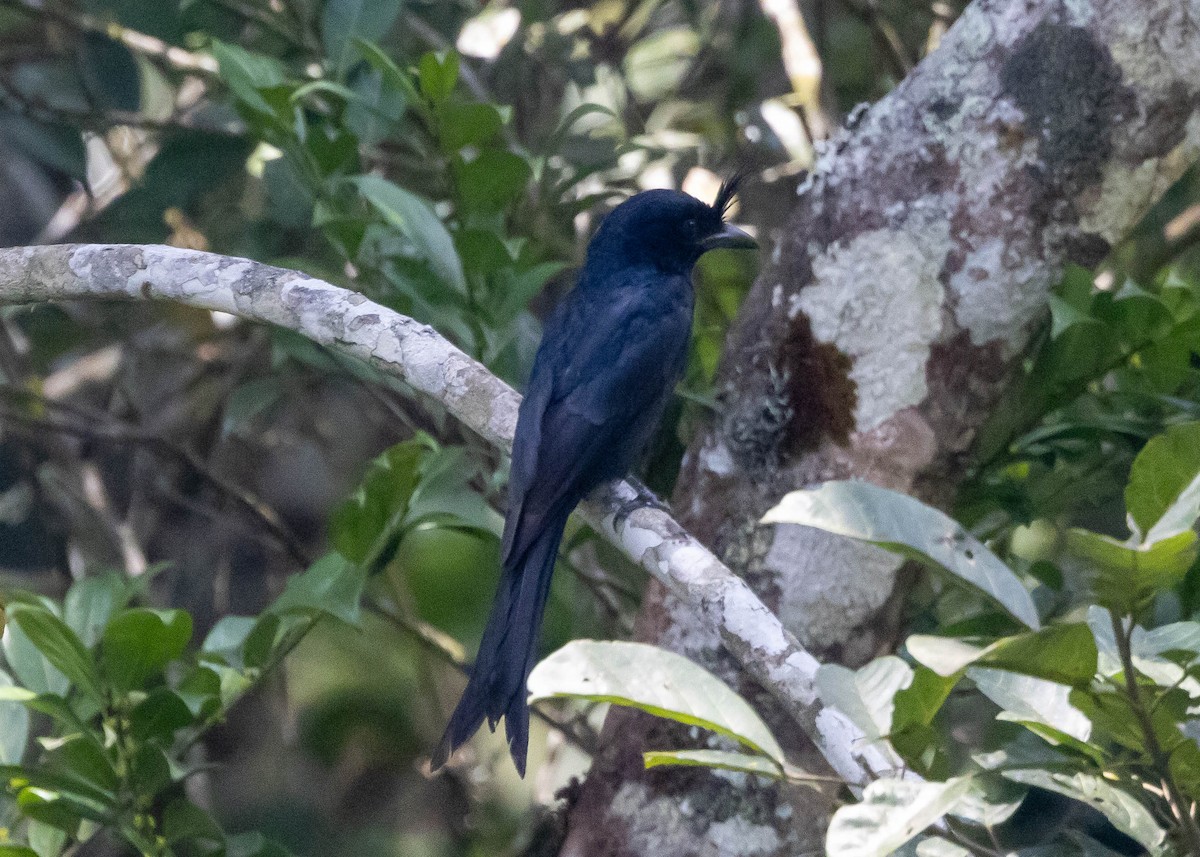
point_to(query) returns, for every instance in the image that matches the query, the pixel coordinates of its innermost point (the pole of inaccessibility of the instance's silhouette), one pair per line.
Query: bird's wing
(606, 368)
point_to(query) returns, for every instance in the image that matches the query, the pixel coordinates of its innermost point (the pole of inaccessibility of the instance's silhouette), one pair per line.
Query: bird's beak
(730, 237)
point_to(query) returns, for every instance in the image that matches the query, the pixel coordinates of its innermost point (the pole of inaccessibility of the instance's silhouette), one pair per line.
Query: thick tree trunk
(908, 280)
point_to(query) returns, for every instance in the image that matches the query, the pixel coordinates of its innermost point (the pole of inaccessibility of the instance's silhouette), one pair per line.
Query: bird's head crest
(727, 192)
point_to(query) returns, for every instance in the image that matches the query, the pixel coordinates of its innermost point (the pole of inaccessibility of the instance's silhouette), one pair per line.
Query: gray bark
(908, 281)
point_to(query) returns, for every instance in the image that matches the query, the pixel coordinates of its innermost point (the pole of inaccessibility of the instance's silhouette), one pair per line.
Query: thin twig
(89, 119)
(266, 19)
(1162, 766)
(152, 48)
(122, 434)
(885, 35)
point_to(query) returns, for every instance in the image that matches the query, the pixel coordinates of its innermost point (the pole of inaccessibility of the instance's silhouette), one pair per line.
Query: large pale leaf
(1147, 648)
(1125, 574)
(891, 813)
(59, 645)
(867, 696)
(655, 680)
(897, 522)
(936, 846)
(29, 665)
(1062, 653)
(723, 759)
(90, 603)
(14, 726)
(1028, 699)
(1124, 811)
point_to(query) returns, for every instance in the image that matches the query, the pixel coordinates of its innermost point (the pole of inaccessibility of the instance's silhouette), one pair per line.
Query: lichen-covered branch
(431, 365)
(907, 283)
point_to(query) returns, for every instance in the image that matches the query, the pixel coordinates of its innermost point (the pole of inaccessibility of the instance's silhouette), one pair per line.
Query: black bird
(609, 359)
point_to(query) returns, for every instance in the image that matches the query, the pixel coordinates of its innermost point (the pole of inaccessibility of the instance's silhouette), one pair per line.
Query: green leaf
(44, 703)
(891, 813)
(1061, 653)
(1163, 494)
(656, 64)
(1124, 811)
(247, 74)
(866, 696)
(989, 802)
(722, 759)
(14, 724)
(1133, 315)
(1064, 315)
(200, 691)
(482, 251)
(372, 519)
(83, 765)
(467, 124)
(1029, 699)
(182, 819)
(48, 807)
(91, 601)
(936, 846)
(227, 639)
(656, 681)
(492, 180)
(414, 218)
(140, 642)
(268, 632)
(159, 716)
(560, 134)
(331, 586)
(444, 493)
(438, 74)
(520, 287)
(412, 483)
(47, 841)
(345, 21)
(919, 703)
(1122, 575)
(150, 771)
(60, 798)
(60, 646)
(10, 850)
(1148, 649)
(377, 109)
(899, 523)
(30, 666)
(395, 78)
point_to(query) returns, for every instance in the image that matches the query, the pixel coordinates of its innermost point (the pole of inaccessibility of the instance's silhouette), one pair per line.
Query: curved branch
(418, 355)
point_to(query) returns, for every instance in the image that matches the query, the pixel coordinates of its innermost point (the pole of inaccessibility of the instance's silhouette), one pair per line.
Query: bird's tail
(506, 653)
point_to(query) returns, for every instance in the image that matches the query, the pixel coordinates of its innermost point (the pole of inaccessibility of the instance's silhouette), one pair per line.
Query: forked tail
(506, 653)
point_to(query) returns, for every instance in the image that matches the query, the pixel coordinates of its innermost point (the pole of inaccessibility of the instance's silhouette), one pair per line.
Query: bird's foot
(643, 499)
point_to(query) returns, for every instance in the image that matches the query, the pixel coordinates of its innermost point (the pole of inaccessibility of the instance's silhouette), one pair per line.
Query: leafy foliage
(132, 703)
(424, 155)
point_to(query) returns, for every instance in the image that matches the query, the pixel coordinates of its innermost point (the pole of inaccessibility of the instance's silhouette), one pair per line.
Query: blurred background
(353, 140)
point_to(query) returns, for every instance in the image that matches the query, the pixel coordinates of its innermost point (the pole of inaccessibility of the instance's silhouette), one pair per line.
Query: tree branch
(431, 365)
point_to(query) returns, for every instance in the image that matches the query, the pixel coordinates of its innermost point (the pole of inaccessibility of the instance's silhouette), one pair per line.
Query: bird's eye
(690, 225)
